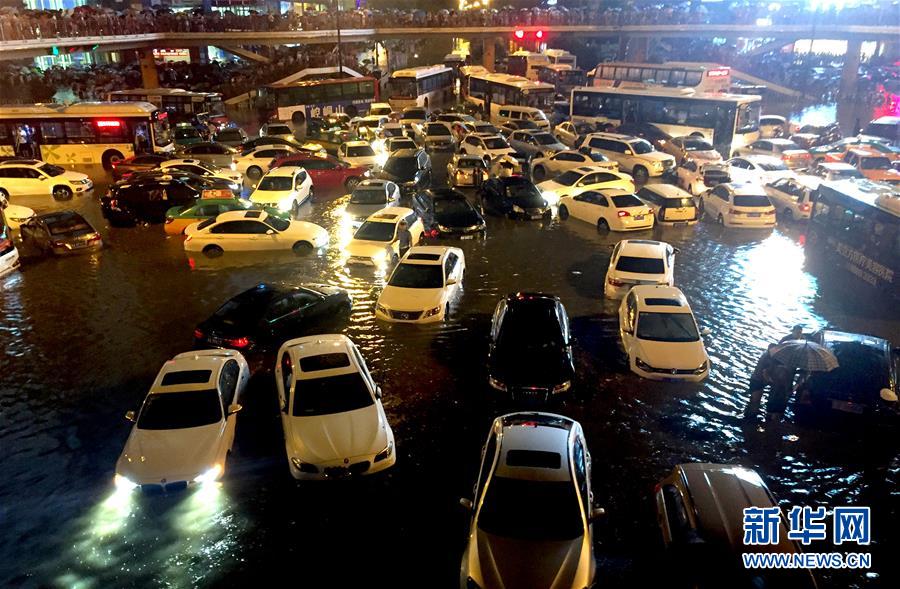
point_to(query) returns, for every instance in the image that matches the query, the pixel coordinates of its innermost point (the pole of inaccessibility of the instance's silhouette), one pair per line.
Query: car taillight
(614, 282)
(198, 334)
(238, 342)
(433, 233)
(95, 237)
(805, 207)
(624, 214)
(57, 244)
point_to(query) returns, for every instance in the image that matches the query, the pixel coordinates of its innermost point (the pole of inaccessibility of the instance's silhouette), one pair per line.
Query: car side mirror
(466, 503)
(234, 408)
(705, 331)
(42, 178)
(597, 513)
(888, 395)
(270, 232)
(129, 415)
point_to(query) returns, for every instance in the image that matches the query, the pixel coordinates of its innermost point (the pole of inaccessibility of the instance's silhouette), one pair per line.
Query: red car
(325, 171)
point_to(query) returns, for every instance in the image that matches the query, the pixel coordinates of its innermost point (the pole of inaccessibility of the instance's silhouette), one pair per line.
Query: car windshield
(51, 170)
(640, 265)
(532, 327)
(437, 129)
(641, 146)
(697, 145)
(278, 224)
(544, 138)
(597, 156)
(229, 136)
(415, 114)
(278, 130)
(845, 174)
(417, 276)
(392, 132)
(525, 192)
(368, 196)
(751, 200)
(210, 167)
(401, 167)
(332, 394)
(180, 410)
(667, 327)
(626, 200)
(276, 183)
(374, 231)
(73, 224)
(360, 151)
(875, 163)
(485, 128)
(531, 510)
(470, 163)
(568, 178)
(495, 143)
(454, 206)
(772, 166)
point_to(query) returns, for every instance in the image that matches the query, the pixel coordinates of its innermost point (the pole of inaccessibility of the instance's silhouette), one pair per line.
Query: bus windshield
(403, 87)
(748, 118)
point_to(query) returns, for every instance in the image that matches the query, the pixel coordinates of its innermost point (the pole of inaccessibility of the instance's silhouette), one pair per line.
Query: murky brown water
(84, 337)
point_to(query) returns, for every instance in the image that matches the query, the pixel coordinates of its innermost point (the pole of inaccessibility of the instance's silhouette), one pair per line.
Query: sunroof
(186, 377)
(324, 362)
(533, 458)
(662, 302)
(429, 257)
(253, 214)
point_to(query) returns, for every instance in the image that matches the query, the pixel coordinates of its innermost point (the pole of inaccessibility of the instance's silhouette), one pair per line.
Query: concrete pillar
(637, 49)
(850, 71)
(489, 53)
(149, 75)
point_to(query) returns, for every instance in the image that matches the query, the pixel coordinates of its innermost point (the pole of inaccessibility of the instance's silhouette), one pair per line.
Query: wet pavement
(85, 336)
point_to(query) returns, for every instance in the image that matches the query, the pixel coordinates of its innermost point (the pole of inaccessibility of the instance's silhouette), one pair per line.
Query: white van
(517, 113)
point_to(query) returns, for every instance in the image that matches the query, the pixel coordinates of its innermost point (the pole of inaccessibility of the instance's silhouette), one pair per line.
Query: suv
(484, 145)
(409, 168)
(700, 511)
(738, 205)
(34, 177)
(634, 155)
(670, 204)
(872, 165)
(533, 144)
(530, 354)
(830, 171)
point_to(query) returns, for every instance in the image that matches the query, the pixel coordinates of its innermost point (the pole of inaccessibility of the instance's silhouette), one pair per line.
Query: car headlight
(381, 309)
(443, 228)
(642, 365)
(286, 203)
(234, 186)
(562, 387)
(85, 181)
(550, 196)
(385, 454)
(431, 312)
(233, 166)
(702, 368)
(500, 386)
(124, 483)
(367, 174)
(303, 466)
(517, 209)
(210, 475)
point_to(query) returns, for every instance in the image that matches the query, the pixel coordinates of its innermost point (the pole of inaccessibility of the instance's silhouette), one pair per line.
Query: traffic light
(539, 34)
(520, 34)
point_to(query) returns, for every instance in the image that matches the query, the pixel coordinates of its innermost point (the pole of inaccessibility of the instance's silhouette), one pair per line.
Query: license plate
(639, 217)
(81, 244)
(756, 214)
(467, 237)
(847, 407)
(680, 224)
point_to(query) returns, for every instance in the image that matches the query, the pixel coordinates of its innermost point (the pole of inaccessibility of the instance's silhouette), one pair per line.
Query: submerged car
(376, 244)
(61, 233)
(179, 218)
(513, 196)
(450, 214)
(369, 197)
(423, 285)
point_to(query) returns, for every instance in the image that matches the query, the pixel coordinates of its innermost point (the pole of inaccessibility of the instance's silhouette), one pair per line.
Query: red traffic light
(539, 34)
(520, 34)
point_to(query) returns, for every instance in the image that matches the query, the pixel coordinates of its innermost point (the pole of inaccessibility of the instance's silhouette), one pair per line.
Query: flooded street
(85, 336)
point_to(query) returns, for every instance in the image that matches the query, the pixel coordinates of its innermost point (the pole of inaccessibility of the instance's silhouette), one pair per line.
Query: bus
(526, 63)
(84, 132)
(560, 57)
(854, 230)
(424, 86)
(505, 90)
(701, 77)
(304, 99)
(564, 78)
(180, 104)
(728, 121)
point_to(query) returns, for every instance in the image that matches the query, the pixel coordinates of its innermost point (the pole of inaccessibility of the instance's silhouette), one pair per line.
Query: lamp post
(337, 21)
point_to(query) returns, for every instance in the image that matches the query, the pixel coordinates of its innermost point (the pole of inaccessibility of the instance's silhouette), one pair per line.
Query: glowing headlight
(496, 384)
(124, 483)
(210, 475)
(517, 209)
(286, 203)
(563, 387)
(233, 166)
(431, 312)
(381, 309)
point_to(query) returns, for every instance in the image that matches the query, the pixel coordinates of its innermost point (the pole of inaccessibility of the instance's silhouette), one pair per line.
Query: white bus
(560, 57)
(84, 132)
(505, 90)
(424, 86)
(728, 121)
(701, 77)
(526, 63)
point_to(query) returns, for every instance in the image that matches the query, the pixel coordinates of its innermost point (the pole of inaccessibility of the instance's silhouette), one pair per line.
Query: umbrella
(805, 355)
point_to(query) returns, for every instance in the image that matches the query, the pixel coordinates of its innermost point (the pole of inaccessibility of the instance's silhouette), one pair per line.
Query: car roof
(189, 361)
(865, 152)
(389, 215)
(372, 183)
(760, 159)
(175, 161)
(616, 136)
(21, 162)
(779, 141)
(270, 146)
(357, 143)
(468, 156)
(282, 171)
(808, 181)
(667, 190)
(643, 248)
(318, 345)
(836, 166)
(59, 216)
(486, 135)
(534, 432)
(242, 215)
(744, 188)
(406, 152)
(514, 299)
(429, 255)
(660, 299)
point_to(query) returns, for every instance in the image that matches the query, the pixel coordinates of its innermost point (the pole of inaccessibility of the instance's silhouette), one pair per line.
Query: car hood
(323, 438)
(655, 156)
(385, 175)
(366, 249)
(410, 299)
(530, 366)
(182, 454)
(76, 177)
(500, 151)
(362, 161)
(362, 212)
(269, 196)
(683, 355)
(519, 564)
(458, 219)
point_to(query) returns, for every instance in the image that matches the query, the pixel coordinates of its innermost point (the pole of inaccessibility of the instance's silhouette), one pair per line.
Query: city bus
(564, 78)
(304, 99)
(526, 63)
(728, 121)
(84, 132)
(180, 104)
(560, 57)
(855, 231)
(505, 90)
(424, 86)
(701, 77)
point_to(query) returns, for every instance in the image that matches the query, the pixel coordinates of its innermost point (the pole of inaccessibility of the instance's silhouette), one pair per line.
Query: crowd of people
(87, 21)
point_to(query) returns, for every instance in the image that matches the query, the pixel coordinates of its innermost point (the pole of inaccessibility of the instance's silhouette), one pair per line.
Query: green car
(178, 218)
(185, 134)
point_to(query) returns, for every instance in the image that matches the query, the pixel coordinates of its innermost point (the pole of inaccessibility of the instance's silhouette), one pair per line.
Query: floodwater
(84, 337)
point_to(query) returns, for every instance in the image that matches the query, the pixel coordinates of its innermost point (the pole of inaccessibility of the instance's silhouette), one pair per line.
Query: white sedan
(608, 210)
(584, 179)
(483, 145)
(286, 188)
(423, 285)
(15, 215)
(638, 261)
(561, 161)
(760, 169)
(357, 153)
(253, 231)
(184, 430)
(660, 335)
(256, 162)
(331, 412)
(793, 196)
(376, 243)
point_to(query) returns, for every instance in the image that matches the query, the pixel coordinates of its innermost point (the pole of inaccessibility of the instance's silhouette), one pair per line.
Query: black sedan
(513, 196)
(138, 163)
(447, 212)
(145, 198)
(61, 233)
(260, 319)
(530, 355)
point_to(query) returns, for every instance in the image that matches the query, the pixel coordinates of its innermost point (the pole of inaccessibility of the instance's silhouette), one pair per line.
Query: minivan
(515, 113)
